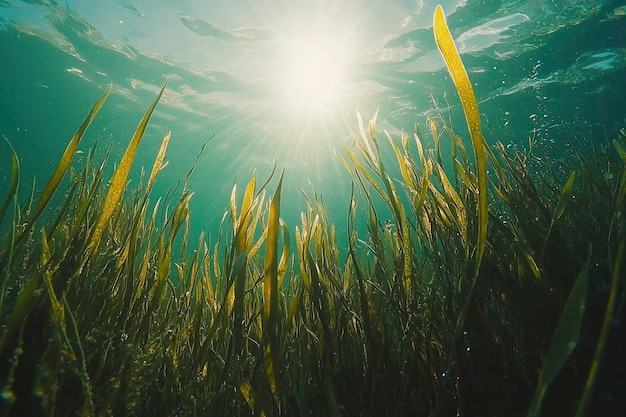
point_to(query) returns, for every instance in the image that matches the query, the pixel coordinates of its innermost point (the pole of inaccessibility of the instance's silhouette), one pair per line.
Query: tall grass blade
(248, 394)
(270, 290)
(118, 182)
(470, 107)
(158, 162)
(242, 232)
(64, 163)
(6, 254)
(26, 301)
(457, 203)
(604, 334)
(564, 339)
(57, 309)
(564, 198)
(15, 176)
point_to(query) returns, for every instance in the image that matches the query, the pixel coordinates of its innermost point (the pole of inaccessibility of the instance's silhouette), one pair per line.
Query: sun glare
(315, 76)
(309, 78)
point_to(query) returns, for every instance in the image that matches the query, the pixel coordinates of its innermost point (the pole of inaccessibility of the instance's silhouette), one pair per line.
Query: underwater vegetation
(493, 287)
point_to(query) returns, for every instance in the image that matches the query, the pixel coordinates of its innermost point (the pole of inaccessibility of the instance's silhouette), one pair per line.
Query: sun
(314, 76)
(308, 83)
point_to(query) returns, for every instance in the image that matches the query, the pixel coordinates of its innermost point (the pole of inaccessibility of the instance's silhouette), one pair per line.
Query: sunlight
(314, 79)
(308, 83)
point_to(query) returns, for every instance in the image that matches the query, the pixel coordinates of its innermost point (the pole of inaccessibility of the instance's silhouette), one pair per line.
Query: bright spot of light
(308, 84)
(315, 77)
(316, 62)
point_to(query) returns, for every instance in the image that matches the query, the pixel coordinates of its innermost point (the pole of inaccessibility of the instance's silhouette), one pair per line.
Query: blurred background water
(549, 69)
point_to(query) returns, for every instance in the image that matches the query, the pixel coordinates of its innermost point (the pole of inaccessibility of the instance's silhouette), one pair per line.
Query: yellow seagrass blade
(470, 107)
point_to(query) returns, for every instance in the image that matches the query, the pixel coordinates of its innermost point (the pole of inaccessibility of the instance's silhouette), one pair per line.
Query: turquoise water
(541, 68)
